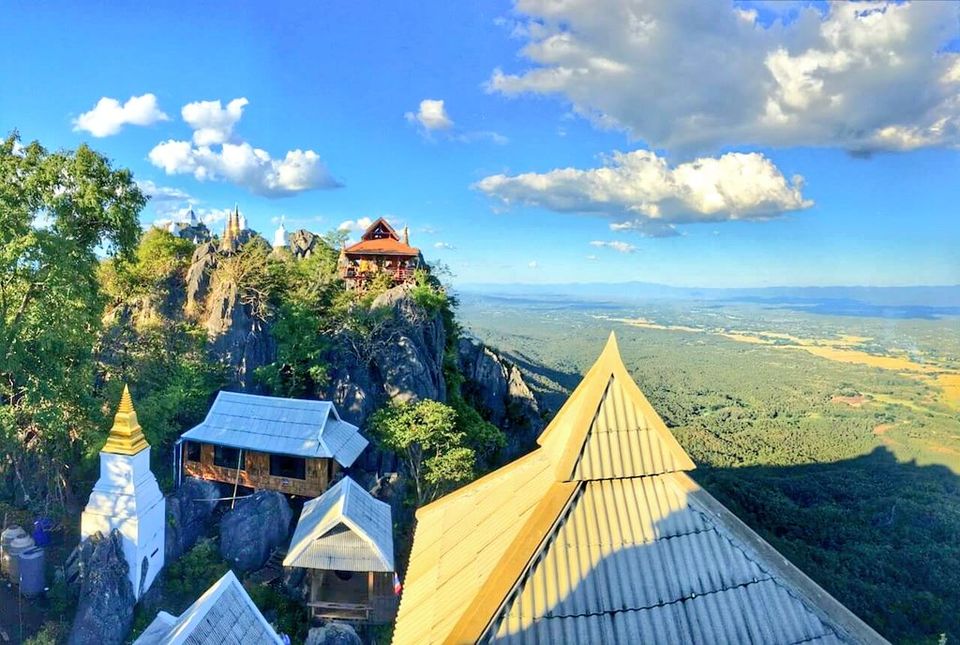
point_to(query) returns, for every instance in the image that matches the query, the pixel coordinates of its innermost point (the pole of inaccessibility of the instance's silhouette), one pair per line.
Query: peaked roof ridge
(384, 222)
(194, 616)
(342, 504)
(571, 433)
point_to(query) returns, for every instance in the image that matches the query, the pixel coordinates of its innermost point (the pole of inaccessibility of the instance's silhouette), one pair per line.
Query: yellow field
(950, 384)
(834, 349)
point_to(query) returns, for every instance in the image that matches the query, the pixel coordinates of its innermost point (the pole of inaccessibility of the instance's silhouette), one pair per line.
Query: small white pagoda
(127, 498)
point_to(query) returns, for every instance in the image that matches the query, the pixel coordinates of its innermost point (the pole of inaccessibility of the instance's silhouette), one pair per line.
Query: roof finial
(406, 235)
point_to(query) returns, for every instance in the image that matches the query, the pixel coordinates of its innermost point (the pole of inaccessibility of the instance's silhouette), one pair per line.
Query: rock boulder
(333, 634)
(105, 610)
(255, 526)
(188, 515)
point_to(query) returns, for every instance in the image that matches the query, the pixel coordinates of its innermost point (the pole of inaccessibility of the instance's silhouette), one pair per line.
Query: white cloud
(355, 225)
(619, 247)
(432, 115)
(863, 76)
(211, 156)
(532, 264)
(211, 122)
(641, 192)
(591, 257)
(244, 165)
(109, 116)
(444, 246)
(162, 193)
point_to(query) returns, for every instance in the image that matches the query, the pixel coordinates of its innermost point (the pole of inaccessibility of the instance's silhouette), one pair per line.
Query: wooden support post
(236, 483)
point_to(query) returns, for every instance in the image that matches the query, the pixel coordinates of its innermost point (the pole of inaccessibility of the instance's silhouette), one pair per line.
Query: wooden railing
(341, 611)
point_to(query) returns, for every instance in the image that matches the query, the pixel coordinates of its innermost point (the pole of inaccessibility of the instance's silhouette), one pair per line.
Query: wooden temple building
(380, 251)
(344, 540)
(293, 446)
(601, 536)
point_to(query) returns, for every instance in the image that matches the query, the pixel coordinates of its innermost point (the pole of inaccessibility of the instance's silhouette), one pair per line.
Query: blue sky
(762, 143)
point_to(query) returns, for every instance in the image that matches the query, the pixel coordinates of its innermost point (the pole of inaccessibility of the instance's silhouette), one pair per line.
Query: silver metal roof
(223, 615)
(276, 425)
(344, 529)
(635, 560)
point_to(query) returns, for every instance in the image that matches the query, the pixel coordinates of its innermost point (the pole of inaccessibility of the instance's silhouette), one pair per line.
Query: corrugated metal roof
(223, 615)
(622, 443)
(636, 557)
(459, 541)
(599, 536)
(281, 426)
(344, 529)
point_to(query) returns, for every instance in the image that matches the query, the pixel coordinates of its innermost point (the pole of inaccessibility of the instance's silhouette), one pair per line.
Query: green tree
(57, 211)
(432, 447)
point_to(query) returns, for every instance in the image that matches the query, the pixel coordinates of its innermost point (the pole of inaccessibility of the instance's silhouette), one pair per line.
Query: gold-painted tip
(126, 401)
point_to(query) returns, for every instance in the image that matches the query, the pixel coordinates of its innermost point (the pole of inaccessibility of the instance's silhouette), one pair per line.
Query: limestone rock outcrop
(253, 528)
(189, 510)
(497, 389)
(105, 609)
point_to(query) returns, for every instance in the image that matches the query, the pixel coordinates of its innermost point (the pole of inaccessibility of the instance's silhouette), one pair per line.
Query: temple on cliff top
(380, 251)
(601, 536)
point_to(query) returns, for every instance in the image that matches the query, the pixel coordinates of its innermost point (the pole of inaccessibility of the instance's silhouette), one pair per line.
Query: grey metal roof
(223, 615)
(344, 529)
(634, 560)
(296, 427)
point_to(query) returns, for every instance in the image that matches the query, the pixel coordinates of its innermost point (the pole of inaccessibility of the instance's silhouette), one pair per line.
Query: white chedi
(126, 497)
(280, 236)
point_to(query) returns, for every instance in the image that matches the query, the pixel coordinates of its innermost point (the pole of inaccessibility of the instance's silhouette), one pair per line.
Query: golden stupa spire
(126, 435)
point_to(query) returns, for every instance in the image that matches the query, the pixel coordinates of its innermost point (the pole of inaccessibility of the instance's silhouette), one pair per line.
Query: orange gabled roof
(599, 535)
(383, 246)
(390, 245)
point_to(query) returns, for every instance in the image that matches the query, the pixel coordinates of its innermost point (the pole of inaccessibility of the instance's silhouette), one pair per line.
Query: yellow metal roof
(126, 435)
(600, 536)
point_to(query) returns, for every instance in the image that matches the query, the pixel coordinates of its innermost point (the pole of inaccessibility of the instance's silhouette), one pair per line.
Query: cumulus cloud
(211, 157)
(432, 120)
(691, 76)
(355, 225)
(162, 193)
(109, 116)
(641, 192)
(445, 246)
(211, 122)
(432, 115)
(619, 247)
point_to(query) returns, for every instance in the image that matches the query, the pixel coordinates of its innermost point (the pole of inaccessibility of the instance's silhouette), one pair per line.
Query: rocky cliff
(498, 391)
(398, 356)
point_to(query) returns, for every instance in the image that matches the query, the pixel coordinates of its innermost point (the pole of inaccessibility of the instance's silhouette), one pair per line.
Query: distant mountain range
(896, 302)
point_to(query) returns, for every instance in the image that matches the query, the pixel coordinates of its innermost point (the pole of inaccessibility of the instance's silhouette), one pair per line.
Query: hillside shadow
(882, 536)
(879, 535)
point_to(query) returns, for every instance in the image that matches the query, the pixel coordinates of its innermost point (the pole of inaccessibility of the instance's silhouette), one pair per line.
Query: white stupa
(280, 236)
(127, 498)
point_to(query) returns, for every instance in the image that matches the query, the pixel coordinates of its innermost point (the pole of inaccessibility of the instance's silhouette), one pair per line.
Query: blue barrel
(41, 531)
(32, 565)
